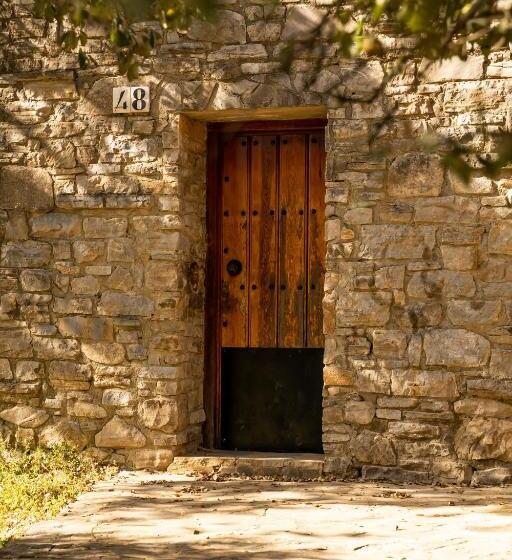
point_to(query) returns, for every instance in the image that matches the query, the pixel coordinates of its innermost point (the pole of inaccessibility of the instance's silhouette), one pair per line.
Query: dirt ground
(142, 516)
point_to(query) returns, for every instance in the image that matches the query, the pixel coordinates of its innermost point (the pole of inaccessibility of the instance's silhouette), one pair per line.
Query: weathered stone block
(86, 327)
(108, 353)
(161, 412)
(446, 209)
(359, 412)
(363, 308)
(459, 258)
(86, 410)
(24, 416)
(117, 434)
(476, 315)
(389, 344)
(372, 447)
(55, 348)
(97, 228)
(34, 280)
(496, 476)
(500, 366)
(413, 430)
(64, 431)
(453, 68)
(455, 348)
(483, 407)
(373, 381)
(15, 343)
(415, 174)
(70, 305)
(26, 254)
(162, 276)
(5, 370)
(227, 27)
(26, 188)
(152, 459)
(500, 238)
(55, 226)
(396, 242)
(117, 397)
(484, 438)
(116, 304)
(414, 383)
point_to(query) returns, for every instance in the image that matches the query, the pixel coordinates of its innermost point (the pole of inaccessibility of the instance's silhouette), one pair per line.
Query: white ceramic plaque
(130, 99)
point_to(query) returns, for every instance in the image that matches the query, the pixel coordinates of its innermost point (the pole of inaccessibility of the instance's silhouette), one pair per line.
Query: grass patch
(36, 484)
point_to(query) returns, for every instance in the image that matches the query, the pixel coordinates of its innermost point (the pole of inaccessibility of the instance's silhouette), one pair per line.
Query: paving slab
(138, 515)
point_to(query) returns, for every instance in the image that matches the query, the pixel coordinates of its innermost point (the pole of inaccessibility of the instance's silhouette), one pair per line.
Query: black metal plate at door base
(272, 399)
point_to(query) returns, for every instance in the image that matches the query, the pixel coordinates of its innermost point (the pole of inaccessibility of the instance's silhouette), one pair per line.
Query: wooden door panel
(263, 243)
(235, 207)
(315, 241)
(292, 269)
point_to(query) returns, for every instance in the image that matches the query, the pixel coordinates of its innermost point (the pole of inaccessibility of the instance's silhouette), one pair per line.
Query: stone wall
(103, 247)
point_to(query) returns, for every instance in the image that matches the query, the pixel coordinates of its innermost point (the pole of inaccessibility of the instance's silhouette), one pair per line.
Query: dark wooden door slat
(235, 207)
(292, 269)
(263, 243)
(315, 241)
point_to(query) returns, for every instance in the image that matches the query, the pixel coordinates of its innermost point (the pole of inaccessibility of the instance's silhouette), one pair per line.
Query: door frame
(212, 351)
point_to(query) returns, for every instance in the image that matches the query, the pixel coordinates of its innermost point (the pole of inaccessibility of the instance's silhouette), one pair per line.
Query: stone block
(116, 304)
(359, 412)
(34, 280)
(373, 448)
(71, 306)
(483, 407)
(151, 459)
(396, 242)
(15, 343)
(117, 398)
(500, 238)
(363, 309)
(446, 209)
(86, 410)
(454, 68)
(119, 434)
(455, 348)
(25, 188)
(477, 315)
(389, 344)
(416, 383)
(459, 258)
(413, 430)
(56, 348)
(24, 416)
(97, 228)
(496, 476)
(433, 284)
(162, 276)
(85, 285)
(108, 353)
(121, 250)
(484, 438)
(390, 277)
(373, 381)
(162, 412)
(63, 432)
(92, 328)
(415, 174)
(26, 254)
(55, 225)
(227, 27)
(88, 251)
(5, 370)
(28, 371)
(500, 366)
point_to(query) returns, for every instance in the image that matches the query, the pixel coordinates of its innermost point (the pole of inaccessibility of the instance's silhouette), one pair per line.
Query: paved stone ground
(142, 516)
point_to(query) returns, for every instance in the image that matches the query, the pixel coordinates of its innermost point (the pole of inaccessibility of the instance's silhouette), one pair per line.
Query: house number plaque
(130, 99)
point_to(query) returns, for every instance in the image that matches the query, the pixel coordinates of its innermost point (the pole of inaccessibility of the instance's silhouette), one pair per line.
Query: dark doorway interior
(272, 399)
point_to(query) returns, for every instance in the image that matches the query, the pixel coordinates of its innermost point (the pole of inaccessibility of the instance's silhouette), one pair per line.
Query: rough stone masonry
(102, 227)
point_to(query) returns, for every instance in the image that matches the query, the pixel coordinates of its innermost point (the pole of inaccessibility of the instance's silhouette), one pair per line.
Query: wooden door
(266, 241)
(272, 265)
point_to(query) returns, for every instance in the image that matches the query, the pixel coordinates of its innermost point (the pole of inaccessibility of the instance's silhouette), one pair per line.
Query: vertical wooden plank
(263, 243)
(316, 240)
(292, 266)
(235, 208)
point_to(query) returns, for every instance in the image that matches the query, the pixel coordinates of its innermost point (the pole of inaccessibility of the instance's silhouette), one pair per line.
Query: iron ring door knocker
(234, 267)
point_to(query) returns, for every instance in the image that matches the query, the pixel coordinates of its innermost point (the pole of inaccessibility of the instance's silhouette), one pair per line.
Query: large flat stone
(24, 416)
(455, 348)
(26, 254)
(417, 383)
(500, 238)
(363, 309)
(483, 407)
(484, 438)
(116, 304)
(396, 242)
(26, 188)
(56, 225)
(117, 433)
(415, 174)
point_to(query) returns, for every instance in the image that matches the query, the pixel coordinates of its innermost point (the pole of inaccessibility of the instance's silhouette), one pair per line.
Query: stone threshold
(220, 463)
